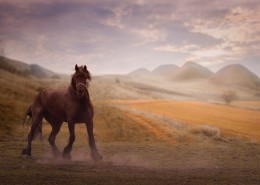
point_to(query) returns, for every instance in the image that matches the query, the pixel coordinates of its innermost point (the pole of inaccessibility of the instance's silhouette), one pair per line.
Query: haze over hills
(254, 67)
(189, 71)
(167, 71)
(236, 74)
(24, 69)
(141, 72)
(190, 81)
(192, 71)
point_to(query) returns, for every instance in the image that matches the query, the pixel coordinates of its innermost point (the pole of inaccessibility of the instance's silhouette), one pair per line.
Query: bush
(229, 96)
(117, 81)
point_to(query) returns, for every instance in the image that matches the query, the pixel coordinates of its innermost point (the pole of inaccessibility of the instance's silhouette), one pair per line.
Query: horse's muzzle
(81, 89)
(81, 92)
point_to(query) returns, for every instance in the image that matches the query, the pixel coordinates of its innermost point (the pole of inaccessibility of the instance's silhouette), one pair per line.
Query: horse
(71, 105)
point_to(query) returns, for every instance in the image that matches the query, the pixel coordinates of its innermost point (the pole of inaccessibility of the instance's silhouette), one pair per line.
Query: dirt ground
(207, 162)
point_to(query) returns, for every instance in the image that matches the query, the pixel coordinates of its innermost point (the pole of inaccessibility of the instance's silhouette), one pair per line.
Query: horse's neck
(87, 96)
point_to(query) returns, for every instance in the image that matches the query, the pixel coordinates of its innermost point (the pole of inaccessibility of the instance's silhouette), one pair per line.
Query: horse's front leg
(68, 148)
(94, 152)
(55, 130)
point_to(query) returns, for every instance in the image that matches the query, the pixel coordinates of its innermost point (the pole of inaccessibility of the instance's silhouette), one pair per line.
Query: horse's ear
(85, 68)
(76, 67)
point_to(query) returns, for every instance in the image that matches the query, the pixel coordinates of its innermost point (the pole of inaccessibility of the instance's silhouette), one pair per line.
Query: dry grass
(206, 131)
(17, 93)
(231, 121)
(254, 105)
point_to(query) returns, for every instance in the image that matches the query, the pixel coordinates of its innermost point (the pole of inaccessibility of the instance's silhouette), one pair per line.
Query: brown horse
(70, 105)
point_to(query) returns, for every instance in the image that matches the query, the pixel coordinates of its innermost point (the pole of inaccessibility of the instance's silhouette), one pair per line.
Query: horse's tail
(27, 113)
(38, 130)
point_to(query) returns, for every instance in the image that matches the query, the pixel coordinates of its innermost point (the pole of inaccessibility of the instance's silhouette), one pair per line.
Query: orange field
(232, 121)
(247, 104)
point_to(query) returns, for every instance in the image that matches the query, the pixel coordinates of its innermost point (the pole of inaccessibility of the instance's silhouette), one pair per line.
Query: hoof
(96, 156)
(56, 154)
(66, 156)
(26, 152)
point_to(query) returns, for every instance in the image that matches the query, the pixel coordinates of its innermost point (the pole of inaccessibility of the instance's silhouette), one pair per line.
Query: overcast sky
(117, 36)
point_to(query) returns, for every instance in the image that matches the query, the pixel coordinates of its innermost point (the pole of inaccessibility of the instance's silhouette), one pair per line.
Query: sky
(118, 36)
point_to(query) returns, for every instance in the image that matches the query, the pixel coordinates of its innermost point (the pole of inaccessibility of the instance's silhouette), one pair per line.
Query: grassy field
(17, 93)
(142, 142)
(232, 121)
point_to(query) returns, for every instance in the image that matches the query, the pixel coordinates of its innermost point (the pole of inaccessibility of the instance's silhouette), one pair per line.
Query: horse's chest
(78, 113)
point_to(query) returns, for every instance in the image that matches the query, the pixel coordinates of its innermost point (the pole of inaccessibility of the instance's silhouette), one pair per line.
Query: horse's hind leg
(55, 130)
(36, 121)
(56, 125)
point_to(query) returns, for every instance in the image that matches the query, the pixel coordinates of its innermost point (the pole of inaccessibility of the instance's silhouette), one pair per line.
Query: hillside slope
(236, 75)
(192, 71)
(166, 71)
(17, 92)
(23, 69)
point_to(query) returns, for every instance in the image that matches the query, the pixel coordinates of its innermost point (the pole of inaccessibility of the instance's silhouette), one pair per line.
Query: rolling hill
(141, 72)
(192, 71)
(167, 71)
(236, 75)
(24, 69)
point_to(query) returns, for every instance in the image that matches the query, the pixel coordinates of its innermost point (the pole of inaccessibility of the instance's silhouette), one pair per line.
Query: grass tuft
(206, 131)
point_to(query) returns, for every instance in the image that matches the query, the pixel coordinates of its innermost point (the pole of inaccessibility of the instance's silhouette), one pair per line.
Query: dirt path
(210, 162)
(137, 149)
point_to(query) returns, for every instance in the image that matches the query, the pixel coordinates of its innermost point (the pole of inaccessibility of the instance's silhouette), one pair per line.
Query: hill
(191, 71)
(24, 69)
(139, 71)
(253, 66)
(236, 75)
(166, 71)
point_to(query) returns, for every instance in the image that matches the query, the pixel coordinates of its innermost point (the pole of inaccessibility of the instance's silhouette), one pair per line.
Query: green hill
(23, 69)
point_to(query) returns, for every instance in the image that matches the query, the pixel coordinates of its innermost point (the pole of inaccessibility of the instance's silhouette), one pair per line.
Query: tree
(229, 96)
(117, 80)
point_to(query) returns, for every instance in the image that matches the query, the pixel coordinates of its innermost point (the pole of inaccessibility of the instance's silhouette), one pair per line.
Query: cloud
(116, 21)
(238, 29)
(118, 36)
(171, 48)
(148, 35)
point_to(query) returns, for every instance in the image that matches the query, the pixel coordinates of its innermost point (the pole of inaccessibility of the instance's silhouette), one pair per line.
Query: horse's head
(80, 79)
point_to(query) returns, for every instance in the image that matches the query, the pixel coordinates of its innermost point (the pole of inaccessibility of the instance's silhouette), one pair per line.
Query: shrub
(117, 80)
(229, 96)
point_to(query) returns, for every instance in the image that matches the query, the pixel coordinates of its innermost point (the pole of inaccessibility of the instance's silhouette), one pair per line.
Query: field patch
(232, 121)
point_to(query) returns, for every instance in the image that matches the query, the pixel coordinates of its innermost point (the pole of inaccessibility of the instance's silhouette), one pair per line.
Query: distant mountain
(141, 72)
(24, 69)
(167, 71)
(236, 75)
(191, 71)
(253, 66)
